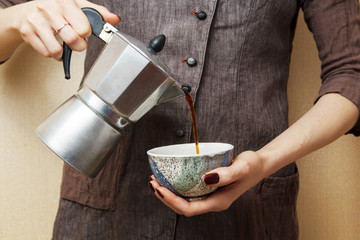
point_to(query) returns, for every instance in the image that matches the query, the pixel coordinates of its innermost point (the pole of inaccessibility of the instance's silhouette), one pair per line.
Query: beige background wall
(31, 87)
(329, 197)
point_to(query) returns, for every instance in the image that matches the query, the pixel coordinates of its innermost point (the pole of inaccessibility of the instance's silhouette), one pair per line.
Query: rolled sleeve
(335, 25)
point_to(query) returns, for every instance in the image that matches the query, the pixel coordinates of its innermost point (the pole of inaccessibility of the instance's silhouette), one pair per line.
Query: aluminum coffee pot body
(125, 82)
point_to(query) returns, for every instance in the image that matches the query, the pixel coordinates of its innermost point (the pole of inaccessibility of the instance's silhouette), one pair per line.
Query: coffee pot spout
(174, 91)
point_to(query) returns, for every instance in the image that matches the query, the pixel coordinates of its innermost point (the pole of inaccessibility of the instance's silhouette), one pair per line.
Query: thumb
(222, 176)
(109, 17)
(240, 169)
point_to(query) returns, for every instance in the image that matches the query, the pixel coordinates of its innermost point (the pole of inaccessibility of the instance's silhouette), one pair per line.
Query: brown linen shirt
(239, 85)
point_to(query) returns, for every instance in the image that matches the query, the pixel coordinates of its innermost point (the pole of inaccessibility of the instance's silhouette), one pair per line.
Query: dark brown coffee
(193, 119)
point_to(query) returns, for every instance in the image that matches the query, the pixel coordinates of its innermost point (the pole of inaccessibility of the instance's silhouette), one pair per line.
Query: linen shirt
(239, 86)
(243, 51)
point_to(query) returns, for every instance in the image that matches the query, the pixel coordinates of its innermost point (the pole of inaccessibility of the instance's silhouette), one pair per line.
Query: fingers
(77, 26)
(39, 34)
(77, 19)
(224, 176)
(247, 164)
(109, 17)
(171, 200)
(64, 18)
(218, 201)
(38, 45)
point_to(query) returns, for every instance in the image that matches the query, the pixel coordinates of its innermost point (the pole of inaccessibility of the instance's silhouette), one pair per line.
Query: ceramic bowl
(181, 170)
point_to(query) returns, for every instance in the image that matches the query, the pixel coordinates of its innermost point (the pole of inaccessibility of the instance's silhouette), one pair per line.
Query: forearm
(10, 37)
(331, 117)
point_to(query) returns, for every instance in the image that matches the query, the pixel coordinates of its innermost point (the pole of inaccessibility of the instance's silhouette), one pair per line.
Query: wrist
(258, 163)
(273, 159)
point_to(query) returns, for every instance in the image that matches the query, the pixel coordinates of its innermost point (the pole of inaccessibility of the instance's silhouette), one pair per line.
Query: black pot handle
(96, 23)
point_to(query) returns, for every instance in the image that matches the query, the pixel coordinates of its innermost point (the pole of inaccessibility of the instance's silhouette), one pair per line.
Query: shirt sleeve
(335, 25)
(9, 3)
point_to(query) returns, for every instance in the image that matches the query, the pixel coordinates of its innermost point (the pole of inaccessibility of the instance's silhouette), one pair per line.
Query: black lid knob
(157, 43)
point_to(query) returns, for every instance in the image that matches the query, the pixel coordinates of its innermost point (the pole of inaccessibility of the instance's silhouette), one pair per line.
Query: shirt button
(191, 62)
(179, 133)
(201, 15)
(186, 88)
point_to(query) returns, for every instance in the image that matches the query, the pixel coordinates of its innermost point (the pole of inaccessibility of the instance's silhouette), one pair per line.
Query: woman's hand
(246, 171)
(38, 23)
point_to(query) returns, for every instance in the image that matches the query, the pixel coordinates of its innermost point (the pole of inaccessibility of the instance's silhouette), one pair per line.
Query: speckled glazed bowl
(181, 170)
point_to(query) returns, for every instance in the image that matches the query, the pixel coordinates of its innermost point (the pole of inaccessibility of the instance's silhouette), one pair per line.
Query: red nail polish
(211, 178)
(159, 193)
(151, 186)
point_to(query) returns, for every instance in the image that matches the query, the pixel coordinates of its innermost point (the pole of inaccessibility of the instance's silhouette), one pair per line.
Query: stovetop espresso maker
(125, 82)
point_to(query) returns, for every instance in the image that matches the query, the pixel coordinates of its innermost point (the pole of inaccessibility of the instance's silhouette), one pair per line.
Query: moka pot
(125, 82)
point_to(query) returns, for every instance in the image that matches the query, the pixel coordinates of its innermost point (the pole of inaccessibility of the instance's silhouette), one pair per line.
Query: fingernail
(118, 17)
(151, 186)
(211, 178)
(159, 193)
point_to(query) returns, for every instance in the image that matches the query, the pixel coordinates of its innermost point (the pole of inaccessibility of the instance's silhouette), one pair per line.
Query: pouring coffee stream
(186, 88)
(125, 82)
